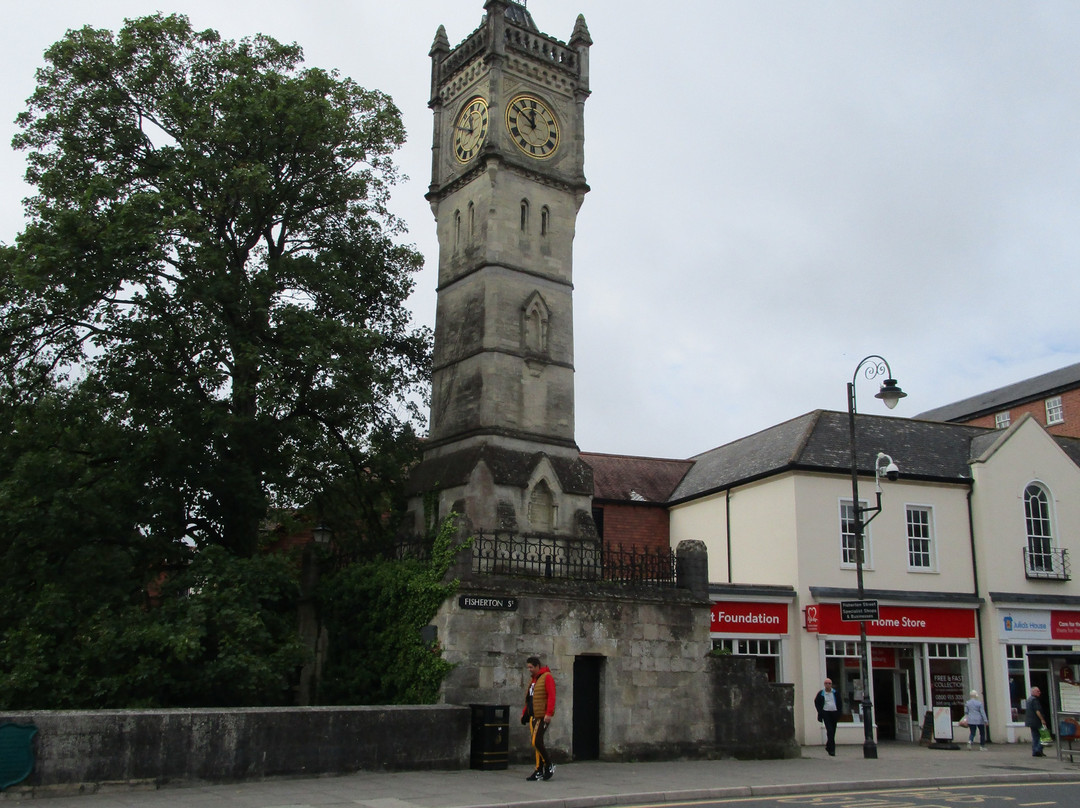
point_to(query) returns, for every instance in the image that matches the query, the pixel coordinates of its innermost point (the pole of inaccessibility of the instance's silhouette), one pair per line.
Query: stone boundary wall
(753, 718)
(651, 647)
(81, 750)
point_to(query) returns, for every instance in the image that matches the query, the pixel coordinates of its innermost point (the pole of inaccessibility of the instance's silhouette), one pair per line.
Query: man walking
(1033, 719)
(539, 709)
(828, 712)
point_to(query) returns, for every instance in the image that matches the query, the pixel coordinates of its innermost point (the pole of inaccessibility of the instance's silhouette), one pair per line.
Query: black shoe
(549, 772)
(534, 776)
(832, 754)
(1038, 754)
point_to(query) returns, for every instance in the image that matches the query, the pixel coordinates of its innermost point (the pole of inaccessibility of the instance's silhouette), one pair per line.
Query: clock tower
(507, 182)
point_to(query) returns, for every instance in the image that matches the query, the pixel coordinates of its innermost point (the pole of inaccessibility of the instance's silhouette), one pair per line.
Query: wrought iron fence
(1047, 564)
(572, 559)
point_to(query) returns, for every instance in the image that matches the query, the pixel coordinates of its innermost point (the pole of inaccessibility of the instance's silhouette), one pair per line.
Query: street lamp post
(872, 367)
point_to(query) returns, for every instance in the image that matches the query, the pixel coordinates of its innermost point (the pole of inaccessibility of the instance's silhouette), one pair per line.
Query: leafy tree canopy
(209, 263)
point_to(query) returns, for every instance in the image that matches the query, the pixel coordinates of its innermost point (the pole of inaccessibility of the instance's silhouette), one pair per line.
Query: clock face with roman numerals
(532, 126)
(470, 129)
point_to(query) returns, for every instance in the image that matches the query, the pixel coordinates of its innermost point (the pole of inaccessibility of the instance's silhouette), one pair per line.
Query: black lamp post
(890, 393)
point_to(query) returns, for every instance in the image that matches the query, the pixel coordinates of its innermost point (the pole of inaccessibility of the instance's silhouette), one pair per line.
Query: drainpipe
(727, 531)
(978, 608)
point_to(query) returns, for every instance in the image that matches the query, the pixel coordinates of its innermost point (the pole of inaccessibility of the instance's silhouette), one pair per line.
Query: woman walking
(975, 713)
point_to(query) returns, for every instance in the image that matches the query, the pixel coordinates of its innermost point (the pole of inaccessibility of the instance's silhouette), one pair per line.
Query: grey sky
(779, 189)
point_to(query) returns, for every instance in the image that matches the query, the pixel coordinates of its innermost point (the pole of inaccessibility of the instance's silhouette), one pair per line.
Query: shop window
(842, 666)
(950, 676)
(1024, 675)
(1055, 412)
(920, 539)
(847, 537)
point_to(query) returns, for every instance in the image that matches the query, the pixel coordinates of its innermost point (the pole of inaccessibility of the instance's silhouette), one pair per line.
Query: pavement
(595, 784)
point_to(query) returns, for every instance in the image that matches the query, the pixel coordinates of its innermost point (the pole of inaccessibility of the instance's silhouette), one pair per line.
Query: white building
(968, 559)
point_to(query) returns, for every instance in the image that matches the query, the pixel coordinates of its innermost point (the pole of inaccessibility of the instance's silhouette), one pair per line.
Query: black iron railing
(1047, 564)
(572, 559)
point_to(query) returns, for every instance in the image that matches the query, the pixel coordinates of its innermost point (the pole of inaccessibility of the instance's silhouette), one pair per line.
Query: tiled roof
(819, 441)
(1055, 381)
(634, 479)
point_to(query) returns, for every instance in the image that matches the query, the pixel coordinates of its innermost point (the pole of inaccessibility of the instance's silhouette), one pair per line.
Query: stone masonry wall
(654, 691)
(82, 749)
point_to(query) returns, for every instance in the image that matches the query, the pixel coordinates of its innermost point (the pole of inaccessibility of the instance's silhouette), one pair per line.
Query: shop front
(920, 657)
(1030, 637)
(754, 629)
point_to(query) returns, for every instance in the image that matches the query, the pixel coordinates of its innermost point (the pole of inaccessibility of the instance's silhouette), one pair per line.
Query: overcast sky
(778, 190)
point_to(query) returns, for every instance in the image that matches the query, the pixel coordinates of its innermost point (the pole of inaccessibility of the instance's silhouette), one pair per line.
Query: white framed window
(920, 538)
(1055, 413)
(1040, 532)
(1002, 420)
(847, 537)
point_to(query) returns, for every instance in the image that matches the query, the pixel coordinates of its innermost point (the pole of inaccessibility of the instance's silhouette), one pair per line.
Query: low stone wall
(753, 719)
(90, 748)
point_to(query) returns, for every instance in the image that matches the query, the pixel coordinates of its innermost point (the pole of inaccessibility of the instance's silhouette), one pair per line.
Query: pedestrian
(975, 713)
(827, 704)
(539, 709)
(1033, 719)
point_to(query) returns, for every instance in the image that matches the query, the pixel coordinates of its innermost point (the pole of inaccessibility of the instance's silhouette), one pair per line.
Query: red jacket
(541, 694)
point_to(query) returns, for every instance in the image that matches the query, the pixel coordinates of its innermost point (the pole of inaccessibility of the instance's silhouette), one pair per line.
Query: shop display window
(950, 676)
(842, 666)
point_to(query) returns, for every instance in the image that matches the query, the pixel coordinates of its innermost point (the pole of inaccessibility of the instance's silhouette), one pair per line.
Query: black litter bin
(490, 736)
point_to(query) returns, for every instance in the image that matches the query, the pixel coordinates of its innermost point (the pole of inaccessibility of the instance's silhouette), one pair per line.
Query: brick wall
(644, 526)
(1070, 402)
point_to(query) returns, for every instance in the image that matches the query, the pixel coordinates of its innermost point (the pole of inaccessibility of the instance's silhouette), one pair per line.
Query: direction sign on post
(859, 610)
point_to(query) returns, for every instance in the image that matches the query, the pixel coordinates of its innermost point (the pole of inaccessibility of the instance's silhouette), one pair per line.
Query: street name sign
(860, 610)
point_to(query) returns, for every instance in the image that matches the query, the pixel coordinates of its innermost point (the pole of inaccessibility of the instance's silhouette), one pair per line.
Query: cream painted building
(966, 580)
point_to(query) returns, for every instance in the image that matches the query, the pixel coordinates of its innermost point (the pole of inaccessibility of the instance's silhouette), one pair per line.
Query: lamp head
(890, 393)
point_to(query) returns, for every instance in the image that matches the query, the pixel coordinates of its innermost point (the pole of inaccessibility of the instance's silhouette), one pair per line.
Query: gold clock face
(532, 126)
(470, 130)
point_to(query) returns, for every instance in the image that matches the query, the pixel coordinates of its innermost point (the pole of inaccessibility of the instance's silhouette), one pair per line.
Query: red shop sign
(1065, 625)
(901, 621)
(749, 618)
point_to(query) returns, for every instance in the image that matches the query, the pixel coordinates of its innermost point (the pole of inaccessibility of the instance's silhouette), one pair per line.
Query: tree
(209, 259)
(201, 328)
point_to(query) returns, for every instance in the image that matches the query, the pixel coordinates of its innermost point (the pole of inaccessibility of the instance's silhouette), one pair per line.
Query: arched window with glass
(1042, 559)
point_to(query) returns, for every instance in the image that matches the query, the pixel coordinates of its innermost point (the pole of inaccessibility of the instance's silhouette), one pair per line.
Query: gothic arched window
(524, 215)
(542, 511)
(534, 325)
(472, 224)
(457, 230)
(1040, 536)
(545, 220)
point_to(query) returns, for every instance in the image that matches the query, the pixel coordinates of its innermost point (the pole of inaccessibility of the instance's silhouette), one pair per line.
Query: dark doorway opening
(885, 704)
(586, 737)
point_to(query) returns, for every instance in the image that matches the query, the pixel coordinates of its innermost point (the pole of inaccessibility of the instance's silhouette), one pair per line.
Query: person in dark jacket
(1033, 720)
(537, 715)
(827, 703)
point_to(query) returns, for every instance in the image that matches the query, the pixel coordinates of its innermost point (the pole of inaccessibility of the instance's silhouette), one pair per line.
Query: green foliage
(209, 254)
(201, 326)
(222, 632)
(374, 612)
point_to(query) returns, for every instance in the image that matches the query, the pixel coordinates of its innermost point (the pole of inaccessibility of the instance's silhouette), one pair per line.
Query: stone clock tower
(507, 182)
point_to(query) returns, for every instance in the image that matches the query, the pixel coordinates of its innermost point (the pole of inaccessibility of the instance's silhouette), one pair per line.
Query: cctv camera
(892, 471)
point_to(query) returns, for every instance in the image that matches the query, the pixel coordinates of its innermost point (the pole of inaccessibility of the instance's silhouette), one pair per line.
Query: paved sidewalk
(594, 784)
